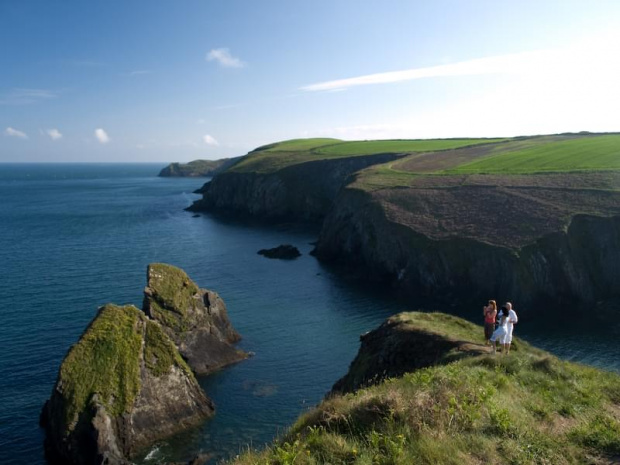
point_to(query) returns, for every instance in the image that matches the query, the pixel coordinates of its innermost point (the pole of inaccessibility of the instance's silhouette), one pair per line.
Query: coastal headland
(534, 219)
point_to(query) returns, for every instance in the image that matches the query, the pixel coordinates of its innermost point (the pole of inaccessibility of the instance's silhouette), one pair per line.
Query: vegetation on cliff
(524, 408)
(106, 362)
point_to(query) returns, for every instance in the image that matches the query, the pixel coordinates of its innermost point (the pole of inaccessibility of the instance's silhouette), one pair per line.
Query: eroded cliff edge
(129, 381)
(545, 240)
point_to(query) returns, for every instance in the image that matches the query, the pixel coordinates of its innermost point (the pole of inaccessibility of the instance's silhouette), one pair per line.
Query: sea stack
(122, 387)
(129, 381)
(195, 319)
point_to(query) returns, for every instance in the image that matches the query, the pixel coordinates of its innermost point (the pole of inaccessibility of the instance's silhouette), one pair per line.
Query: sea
(76, 236)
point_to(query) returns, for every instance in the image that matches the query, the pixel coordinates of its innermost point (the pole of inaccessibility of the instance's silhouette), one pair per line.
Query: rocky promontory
(129, 381)
(197, 168)
(424, 389)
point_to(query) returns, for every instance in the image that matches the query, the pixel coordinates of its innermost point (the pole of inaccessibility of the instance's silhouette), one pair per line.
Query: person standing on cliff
(501, 330)
(511, 321)
(490, 313)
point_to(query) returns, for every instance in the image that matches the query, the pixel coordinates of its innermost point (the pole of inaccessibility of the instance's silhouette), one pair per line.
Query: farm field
(273, 157)
(591, 153)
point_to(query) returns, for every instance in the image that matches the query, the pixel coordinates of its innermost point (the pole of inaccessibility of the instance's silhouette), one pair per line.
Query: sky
(170, 80)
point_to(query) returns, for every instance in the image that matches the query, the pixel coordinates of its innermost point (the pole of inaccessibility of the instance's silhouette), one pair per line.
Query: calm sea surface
(73, 237)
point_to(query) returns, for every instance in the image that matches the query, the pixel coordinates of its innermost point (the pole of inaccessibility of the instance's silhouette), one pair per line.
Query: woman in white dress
(501, 330)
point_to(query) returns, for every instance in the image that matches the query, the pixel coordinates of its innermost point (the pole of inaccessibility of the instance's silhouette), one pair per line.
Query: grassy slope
(280, 155)
(525, 408)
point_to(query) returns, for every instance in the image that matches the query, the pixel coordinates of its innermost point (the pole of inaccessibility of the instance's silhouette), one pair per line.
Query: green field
(273, 157)
(591, 153)
(369, 147)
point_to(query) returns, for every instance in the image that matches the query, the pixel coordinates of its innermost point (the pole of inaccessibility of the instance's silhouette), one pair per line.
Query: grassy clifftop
(525, 408)
(273, 157)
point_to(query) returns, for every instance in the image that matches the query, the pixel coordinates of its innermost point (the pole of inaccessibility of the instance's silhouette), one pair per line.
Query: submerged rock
(195, 319)
(285, 252)
(122, 387)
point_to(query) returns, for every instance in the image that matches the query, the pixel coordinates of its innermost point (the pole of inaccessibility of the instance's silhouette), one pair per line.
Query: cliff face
(195, 319)
(120, 388)
(303, 191)
(575, 260)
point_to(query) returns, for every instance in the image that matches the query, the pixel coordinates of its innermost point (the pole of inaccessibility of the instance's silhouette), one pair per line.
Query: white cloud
(102, 136)
(54, 134)
(513, 63)
(210, 140)
(15, 133)
(224, 58)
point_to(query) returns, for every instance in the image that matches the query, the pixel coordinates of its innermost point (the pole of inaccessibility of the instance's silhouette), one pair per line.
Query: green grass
(370, 147)
(525, 408)
(271, 158)
(590, 153)
(105, 361)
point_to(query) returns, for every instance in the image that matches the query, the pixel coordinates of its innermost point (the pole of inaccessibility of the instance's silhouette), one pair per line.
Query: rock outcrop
(119, 389)
(195, 319)
(128, 381)
(284, 252)
(407, 342)
(305, 191)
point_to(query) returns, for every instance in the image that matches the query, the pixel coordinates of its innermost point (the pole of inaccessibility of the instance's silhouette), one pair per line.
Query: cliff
(543, 241)
(304, 191)
(197, 168)
(438, 396)
(195, 319)
(122, 387)
(128, 381)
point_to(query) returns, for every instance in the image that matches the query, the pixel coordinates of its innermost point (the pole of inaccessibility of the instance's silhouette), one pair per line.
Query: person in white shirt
(502, 329)
(511, 321)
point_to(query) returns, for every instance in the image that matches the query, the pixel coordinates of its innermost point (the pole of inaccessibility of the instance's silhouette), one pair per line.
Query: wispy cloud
(54, 134)
(102, 136)
(224, 58)
(15, 133)
(512, 63)
(139, 72)
(23, 96)
(210, 140)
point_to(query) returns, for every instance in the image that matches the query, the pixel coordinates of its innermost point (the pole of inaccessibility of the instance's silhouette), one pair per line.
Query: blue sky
(165, 80)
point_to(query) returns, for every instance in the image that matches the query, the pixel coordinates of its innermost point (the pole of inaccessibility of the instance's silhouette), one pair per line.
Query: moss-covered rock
(195, 319)
(123, 386)
(125, 383)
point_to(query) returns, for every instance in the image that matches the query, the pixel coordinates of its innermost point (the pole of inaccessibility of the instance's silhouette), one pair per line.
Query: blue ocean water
(75, 236)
